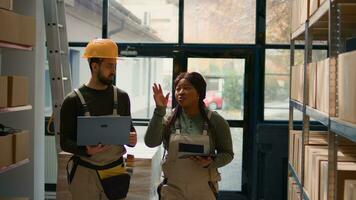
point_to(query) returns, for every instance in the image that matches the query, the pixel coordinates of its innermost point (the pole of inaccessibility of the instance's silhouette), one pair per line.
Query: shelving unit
(299, 183)
(15, 109)
(24, 56)
(15, 46)
(13, 166)
(334, 21)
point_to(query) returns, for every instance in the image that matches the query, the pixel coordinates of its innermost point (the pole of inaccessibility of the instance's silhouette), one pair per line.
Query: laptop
(110, 130)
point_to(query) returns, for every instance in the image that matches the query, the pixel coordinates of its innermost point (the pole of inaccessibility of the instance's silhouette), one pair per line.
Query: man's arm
(68, 127)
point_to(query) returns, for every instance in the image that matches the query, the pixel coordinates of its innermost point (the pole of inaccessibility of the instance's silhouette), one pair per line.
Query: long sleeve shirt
(220, 135)
(100, 102)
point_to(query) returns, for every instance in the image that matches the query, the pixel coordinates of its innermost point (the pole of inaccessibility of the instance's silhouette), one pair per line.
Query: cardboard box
(6, 151)
(321, 2)
(347, 86)
(312, 84)
(350, 190)
(17, 29)
(314, 154)
(18, 91)
(3, 91)
(295, 15)
(345, 154)
(313, 6)
(297, 83)
(322, 86)
(304, 11)
(345, 171)
(6, 4)
(21, 146)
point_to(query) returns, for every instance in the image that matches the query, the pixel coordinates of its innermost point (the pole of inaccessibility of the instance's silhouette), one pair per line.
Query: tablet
(197, 154)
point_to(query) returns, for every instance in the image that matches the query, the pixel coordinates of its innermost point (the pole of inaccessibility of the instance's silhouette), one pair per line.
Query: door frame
(180, 64)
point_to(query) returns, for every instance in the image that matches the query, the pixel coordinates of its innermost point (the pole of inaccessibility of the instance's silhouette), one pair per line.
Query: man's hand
(94, 149)
(132, 139)
(202, 161)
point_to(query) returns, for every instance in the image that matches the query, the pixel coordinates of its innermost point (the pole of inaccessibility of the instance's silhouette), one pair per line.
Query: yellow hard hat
(101, 48)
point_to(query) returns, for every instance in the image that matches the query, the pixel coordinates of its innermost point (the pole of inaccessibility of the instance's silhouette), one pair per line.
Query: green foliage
(233, 92)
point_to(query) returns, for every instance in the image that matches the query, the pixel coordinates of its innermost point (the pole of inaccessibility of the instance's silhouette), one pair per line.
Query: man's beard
(105, 81)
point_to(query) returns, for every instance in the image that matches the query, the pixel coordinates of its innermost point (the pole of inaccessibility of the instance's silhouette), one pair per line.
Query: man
(97, 172)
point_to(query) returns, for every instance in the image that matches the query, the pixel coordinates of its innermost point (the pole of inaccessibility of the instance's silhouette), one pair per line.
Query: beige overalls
(187, 180)
(85, 183)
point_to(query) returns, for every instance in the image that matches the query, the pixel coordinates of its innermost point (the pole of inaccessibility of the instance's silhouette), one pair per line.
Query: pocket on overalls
(115, 182)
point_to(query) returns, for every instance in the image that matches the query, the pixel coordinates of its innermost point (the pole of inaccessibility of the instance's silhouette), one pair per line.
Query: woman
(198, 141)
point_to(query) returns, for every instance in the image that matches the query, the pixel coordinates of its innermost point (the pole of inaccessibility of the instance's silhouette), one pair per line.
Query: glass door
(225, 79)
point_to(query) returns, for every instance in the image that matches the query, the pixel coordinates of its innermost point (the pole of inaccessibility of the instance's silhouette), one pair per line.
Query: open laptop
(111, 130)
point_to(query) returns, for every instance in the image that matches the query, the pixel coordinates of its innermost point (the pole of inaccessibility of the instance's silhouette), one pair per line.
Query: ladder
(58, 59)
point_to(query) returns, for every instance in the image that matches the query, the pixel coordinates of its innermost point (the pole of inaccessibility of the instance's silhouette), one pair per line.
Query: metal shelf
(318, 115)
(294, 174)
(343, 128)
(319, 21)
(15, 109)
(297, 105)
(13, 166)
(15, 46)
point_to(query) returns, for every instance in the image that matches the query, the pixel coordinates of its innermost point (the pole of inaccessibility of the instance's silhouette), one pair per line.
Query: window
(225, 82)
(278, 14)
(83, 19)
(137, 75)
(219, 21)
(153, 21)
(277, 81)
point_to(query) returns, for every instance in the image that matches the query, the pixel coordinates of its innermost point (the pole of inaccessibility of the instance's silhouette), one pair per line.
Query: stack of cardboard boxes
(302, 10)
(14, 148)
(316, 161)
(13, 91)
(19, 29)
(16, 30)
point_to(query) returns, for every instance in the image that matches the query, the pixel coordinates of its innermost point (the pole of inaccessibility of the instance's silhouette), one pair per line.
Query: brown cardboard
(312, 84)
(304, 11)
(295, 15)
(350, 189)
(313, 156)
(347, 155)
(17, 29)
(297, 83)
(346, 86)
(21, 145)
(322, 86)
(313, 6)
(3, 91)
(345, 171)
(6, 150)
(18, 91)
(6, 4)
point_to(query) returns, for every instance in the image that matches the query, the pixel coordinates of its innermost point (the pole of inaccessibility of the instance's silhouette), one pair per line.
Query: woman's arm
(223, 141)
(156, 128)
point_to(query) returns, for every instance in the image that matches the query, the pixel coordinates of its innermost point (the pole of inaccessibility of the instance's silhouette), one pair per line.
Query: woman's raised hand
(158, 96)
